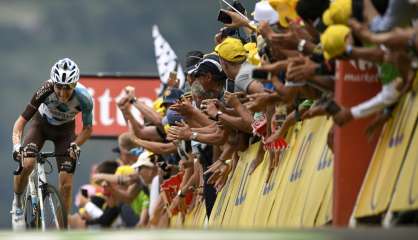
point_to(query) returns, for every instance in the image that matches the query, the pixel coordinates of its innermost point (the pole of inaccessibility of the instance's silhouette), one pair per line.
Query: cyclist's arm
(86, 104)
(18, 130)
(84, 135)
(37, 99)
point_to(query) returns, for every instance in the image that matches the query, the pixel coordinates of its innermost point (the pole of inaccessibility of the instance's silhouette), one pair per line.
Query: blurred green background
(101, 36)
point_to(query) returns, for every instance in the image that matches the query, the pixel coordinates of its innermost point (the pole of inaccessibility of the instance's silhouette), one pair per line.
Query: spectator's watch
(194, 136)
(219, 113)
(180, 194)
(301, 45)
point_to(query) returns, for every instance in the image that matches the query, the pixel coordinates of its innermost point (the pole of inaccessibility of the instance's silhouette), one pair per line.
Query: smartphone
(238, 6)
(260, 74)
(229, 86)
(84, 193)
(224, 17)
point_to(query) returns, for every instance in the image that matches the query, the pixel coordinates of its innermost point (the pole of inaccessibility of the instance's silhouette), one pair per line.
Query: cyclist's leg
(62, 143)
(34, 136)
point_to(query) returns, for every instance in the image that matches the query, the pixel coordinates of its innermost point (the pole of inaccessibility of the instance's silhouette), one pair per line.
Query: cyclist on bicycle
(52, 110)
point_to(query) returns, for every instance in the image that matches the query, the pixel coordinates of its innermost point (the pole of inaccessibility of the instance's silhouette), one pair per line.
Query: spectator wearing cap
(337, 43)
(146, 169)
(192, 58)
(171, 96)
(338, 12)
(208, 72)
(232, 56)
(129, 193)
(98, 210)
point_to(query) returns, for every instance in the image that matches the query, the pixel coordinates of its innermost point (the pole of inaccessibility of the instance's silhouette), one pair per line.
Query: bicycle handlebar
(19, 168)
(41, 155)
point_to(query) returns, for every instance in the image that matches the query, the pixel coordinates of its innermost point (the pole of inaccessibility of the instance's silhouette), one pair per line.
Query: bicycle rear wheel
(54, 212)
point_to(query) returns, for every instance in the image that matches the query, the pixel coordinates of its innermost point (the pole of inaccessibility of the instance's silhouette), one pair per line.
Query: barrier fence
(299, 192)
(391, 179)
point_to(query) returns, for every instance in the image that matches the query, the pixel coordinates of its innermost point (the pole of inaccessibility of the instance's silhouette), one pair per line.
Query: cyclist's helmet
(65, 71)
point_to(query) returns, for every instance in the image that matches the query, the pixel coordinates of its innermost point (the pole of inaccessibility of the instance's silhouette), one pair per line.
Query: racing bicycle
(43, 206)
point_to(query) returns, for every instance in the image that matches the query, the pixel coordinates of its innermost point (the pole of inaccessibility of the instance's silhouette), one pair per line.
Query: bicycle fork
(42, 194)
(41, 186)
(32, 192)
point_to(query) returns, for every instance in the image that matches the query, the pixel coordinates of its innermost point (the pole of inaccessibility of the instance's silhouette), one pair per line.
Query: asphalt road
(294, 234)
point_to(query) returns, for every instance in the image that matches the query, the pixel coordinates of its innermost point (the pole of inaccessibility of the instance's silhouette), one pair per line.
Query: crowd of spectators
(269, 69)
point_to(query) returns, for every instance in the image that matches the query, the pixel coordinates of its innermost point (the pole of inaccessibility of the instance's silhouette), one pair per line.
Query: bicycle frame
(38, 188)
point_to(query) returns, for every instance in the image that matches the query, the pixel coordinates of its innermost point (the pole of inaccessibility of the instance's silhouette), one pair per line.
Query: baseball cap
(338, 12)
(171, 95)
(253, 56)
(172, 117)
(144, 160)
(333, 40)
(264, 12)
(232, 50)
(286, 9)
(192, 58)
(125, 170)
(210, 63)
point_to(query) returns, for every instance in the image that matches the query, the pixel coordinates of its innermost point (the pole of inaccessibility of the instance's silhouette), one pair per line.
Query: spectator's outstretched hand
(274, 68)
(258, 101)
(210, 109)
(300, 69)
(315, 111)
(179, 203)
(123, 103)
(220, 105)
(232, 100)
(237, 20)
(180, 132)
(183, 107)
(220, 171)
(360, 30)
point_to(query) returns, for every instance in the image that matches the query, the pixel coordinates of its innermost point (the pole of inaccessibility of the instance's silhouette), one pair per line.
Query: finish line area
(364, 233)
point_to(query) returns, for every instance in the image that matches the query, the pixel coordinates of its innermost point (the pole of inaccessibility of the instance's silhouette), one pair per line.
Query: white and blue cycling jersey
(57, 113)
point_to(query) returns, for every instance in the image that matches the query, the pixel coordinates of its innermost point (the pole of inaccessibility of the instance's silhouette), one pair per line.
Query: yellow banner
(282, 177)
(289, 192)
(240, 192)
(325, 211)
(314, 183)
(221, 203)
(406, 193)
(378, 185)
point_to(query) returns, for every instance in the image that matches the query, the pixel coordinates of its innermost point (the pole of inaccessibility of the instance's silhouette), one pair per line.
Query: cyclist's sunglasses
(65, 86)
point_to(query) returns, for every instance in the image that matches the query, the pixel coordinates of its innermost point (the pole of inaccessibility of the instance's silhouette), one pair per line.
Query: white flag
(166, 58)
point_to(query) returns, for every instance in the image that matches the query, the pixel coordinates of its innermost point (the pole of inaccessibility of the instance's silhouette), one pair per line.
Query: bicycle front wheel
(55, 216)
(32, 216)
